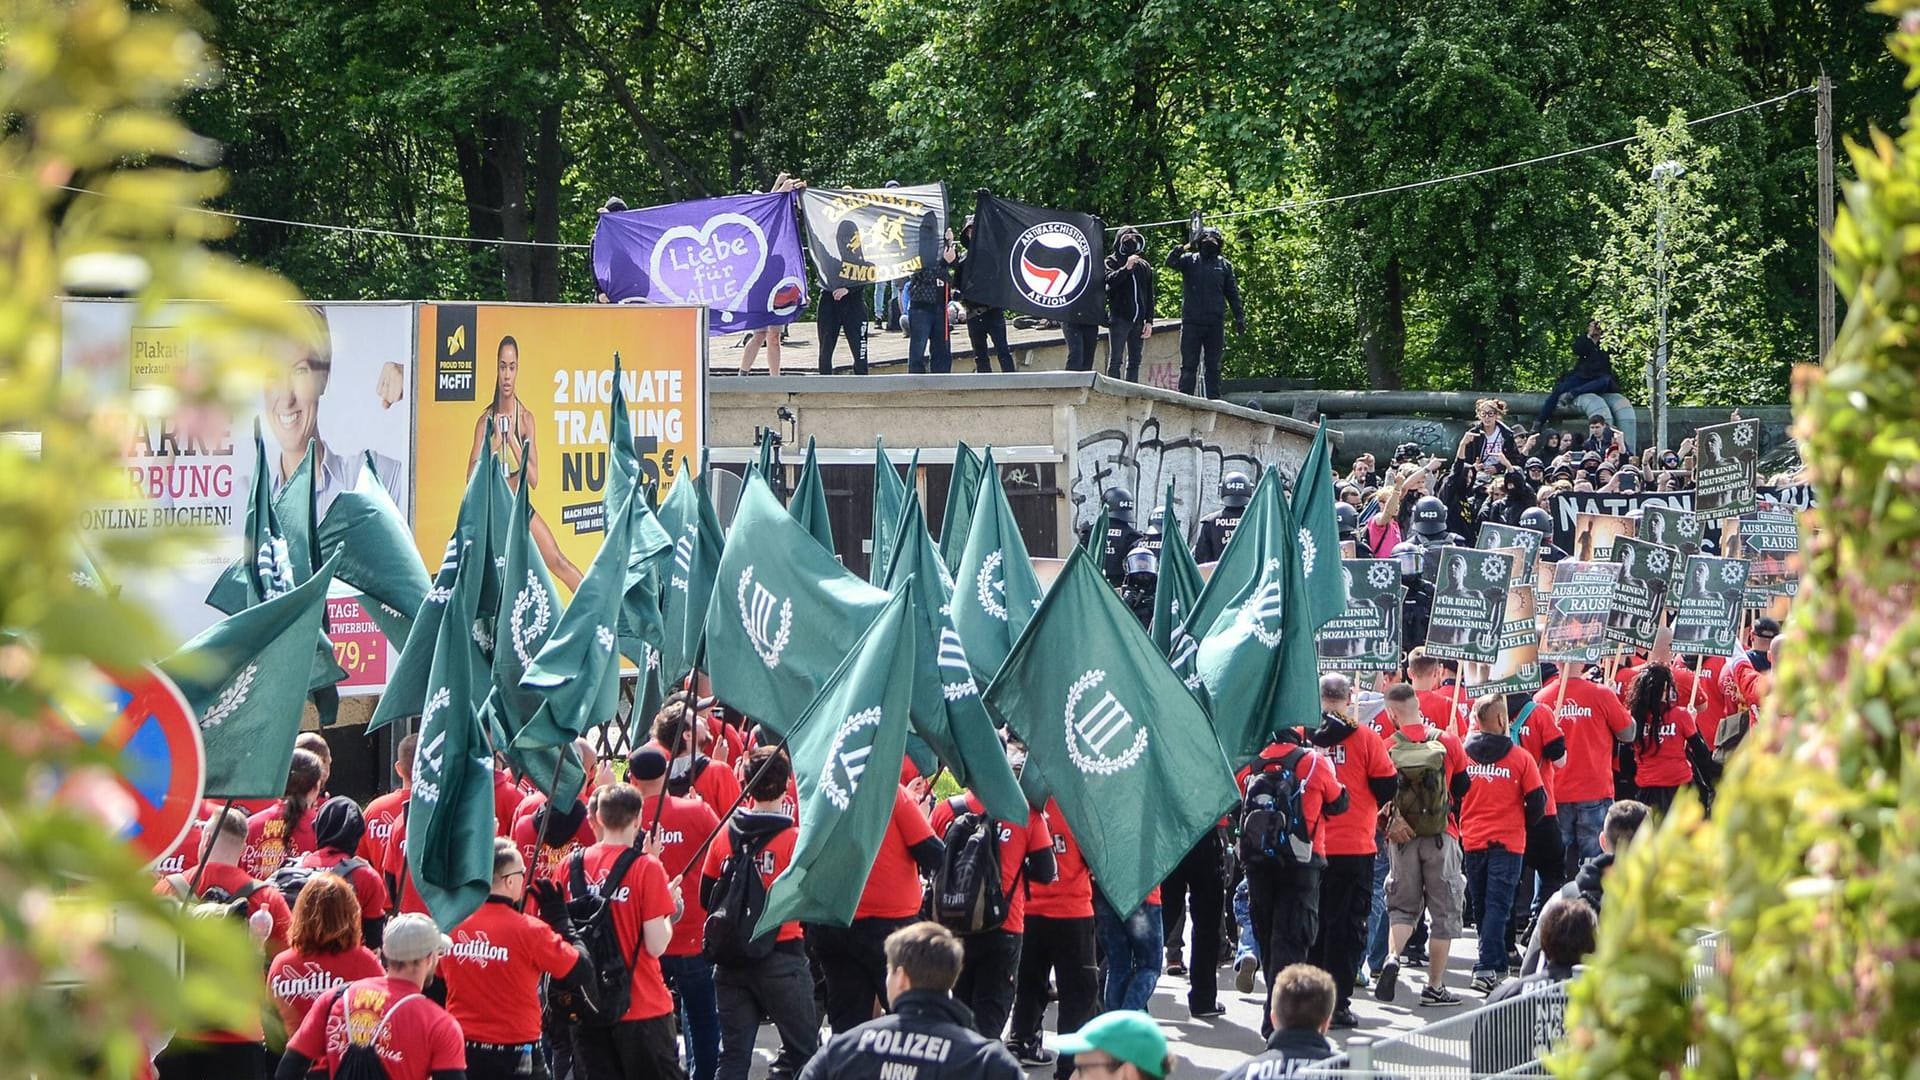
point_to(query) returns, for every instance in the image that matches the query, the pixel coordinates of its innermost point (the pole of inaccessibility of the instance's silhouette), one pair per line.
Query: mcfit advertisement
(541, 376)
(1047, 263)
(859, 237)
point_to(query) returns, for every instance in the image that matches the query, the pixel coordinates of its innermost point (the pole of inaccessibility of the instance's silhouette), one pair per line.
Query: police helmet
(1429, 517)
(1141, 561)
(1346, 518)
(1236, 489)
(1411, 557)
(1536, 519)
(1157, 521)
(1119, 502)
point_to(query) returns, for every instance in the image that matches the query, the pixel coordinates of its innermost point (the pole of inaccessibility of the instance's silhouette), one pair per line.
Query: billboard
(351, 395)
(542, 375)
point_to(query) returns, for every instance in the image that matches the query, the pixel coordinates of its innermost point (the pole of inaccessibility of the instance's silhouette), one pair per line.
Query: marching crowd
(616, 938)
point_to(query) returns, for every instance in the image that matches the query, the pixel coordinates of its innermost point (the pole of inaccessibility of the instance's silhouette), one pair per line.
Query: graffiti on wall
(1143, 461)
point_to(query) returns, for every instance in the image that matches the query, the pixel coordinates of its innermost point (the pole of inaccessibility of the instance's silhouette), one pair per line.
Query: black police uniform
(1215, 530)
(1416, 612)
(928, 1036)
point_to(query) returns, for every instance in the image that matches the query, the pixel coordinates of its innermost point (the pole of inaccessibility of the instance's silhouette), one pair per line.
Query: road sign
(159, 759)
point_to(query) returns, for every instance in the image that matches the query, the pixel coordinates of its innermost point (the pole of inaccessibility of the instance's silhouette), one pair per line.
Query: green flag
(1319, 535)
(406, 692)
(1240, 622)
(889, 499)
(995, 590)
(450, 819)
(245, 678)
(1124, 748)
(782, 615)
(367, 533)
(947, 710)
(846, 749)
(529, 608)
(963, 491)
(809, 501)
(577, 672)
(1180, 582)
(688, 517)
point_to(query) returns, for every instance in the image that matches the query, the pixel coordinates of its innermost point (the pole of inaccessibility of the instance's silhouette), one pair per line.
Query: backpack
(1273, 828)
(216, 901)
(360, 1060)
(739, 896)
(592, 915)
(1517, 730)
(1421, 801)
(291, 878)
(967, 897)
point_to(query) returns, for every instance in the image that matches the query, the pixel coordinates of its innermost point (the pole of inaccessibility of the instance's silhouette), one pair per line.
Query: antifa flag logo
(1051, 263)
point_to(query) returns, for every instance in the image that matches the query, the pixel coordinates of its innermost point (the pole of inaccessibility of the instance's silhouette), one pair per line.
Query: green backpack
(1421, 800)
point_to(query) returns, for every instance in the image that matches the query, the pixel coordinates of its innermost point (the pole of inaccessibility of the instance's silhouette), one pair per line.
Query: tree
(1810, 867)
(88, 88)
(1666, 241)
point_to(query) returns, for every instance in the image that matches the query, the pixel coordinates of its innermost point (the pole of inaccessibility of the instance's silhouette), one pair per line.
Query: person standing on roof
(1208, 288)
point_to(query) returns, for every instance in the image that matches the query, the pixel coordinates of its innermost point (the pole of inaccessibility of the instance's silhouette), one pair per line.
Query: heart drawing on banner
(713, 265)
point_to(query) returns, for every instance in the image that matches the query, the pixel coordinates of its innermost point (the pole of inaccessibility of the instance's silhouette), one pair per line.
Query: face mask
(1208, 247)
(1130, 246)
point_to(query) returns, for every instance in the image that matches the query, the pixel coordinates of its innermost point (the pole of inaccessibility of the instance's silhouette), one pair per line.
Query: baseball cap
(413, 937)
(1128, 1035)
(647, 763)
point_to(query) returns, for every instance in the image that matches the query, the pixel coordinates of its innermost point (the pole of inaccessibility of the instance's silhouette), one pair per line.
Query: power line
(1291, 204)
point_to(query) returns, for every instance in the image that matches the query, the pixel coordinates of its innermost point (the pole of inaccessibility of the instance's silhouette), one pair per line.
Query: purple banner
(737, 255)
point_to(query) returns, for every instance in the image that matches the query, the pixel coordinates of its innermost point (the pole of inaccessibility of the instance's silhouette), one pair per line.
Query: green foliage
(1811, 864)
(88, 88)
(1715, 276)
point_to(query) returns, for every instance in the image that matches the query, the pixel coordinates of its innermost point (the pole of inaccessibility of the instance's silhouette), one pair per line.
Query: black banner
(879, 234)
(1047, 263)
(1568, 507)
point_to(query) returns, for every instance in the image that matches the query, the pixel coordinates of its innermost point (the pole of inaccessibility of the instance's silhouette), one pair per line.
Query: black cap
(614, 205)
(647, 763)
(1535, 463)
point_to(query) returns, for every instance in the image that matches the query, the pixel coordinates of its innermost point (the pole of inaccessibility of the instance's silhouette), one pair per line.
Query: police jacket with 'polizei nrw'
(929, 1036)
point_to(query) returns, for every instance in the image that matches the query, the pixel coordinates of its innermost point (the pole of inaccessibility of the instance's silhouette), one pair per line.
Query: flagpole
(200, 866)
(745, 789)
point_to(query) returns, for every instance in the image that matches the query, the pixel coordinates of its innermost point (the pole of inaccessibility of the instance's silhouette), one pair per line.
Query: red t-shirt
(772, 860)
(716, 785)
(1589, 717)
(382, 815)
(232, 880)
(506, 799)
(1381, 724)
(395, 867)
(1358, 758)
(297, 980)
(638, 900)
(544, 861)
(1319, 786)
(1495, 811)
(493, 973)
(368, 887)
(1542, 728)
(685, 823)
(1016, 841)
(1667, 764)
(893, 885)
(1070, 894)
(414, 1037)
(1446, 712)
(272, 842)
(186, 854)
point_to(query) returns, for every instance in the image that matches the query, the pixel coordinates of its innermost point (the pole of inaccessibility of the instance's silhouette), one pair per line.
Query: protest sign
(1469, 604)
(1030, 259)
(1671, 527)
(1517, 668)
(1526, 541)
(1768, 540)
(1646, 574)
(1367, 636)
(348, 394)
(547, 373)
(881, 234)
(738, 256)
(1576, 612)
(1568, 506)
(1595, 535)
(1727, 460)
(1706, 620)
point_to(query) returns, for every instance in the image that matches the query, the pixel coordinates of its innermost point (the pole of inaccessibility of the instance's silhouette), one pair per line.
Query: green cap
(1127, 1035)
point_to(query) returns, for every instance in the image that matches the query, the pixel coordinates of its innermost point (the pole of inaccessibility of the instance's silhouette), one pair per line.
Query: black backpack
(290, 879)
(360, 1060)
(967, 897)
(591, 911)
(1273, 828)
(739, 896)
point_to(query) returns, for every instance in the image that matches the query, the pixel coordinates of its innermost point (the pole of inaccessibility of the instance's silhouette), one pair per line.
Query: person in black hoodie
(1130, 302)
(985, 325)
(1589, 885)
(1208, 288)
(928, 1035)
(1363, 768)
(1592, 374)
(1501, 797)
(1302, 1010)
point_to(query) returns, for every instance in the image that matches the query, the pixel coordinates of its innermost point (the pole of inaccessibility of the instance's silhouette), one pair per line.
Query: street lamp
(1663, 173)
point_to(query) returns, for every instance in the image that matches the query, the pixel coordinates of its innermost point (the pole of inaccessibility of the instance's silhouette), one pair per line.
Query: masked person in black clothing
(928, 1035)
(1130, 303)
(843, 312)
(1208, 288)
(1121, 536)
(1236, 491)
(985, 325)
(1143, 577)
(1416, 611)
(1592, 374)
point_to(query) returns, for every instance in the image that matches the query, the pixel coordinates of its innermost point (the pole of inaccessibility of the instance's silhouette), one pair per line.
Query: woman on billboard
(291, 405)
(506, 422)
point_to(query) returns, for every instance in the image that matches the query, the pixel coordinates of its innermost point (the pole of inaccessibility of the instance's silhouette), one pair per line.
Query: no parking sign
(158, 759)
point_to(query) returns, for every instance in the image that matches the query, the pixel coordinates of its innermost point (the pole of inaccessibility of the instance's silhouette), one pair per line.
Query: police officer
(1120, 539)
(1537, 519)
(1156, 532)
(928, 1035)
(1430, 524)
(1347, 519)
(1416, 611)
(1143, 574)
(1236, 491)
